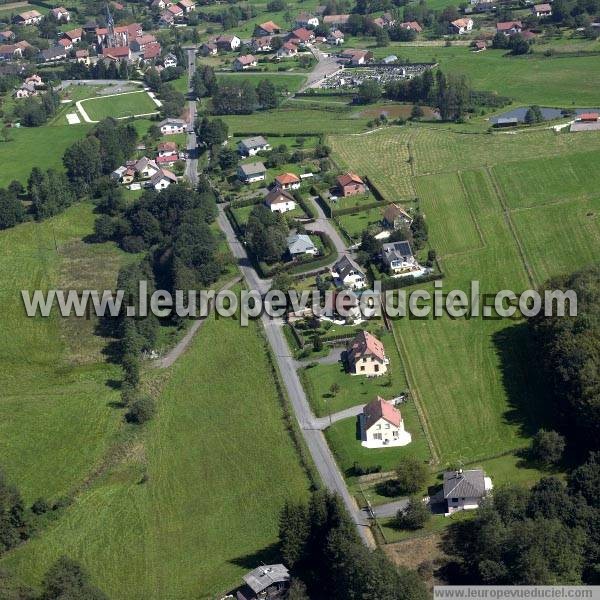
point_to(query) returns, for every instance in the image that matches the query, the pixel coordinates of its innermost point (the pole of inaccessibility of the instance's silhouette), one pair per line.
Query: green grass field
(288, 81)
(506, 210)
(119, 106)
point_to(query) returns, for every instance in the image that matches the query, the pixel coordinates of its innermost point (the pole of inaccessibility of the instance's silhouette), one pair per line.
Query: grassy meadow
(119, 106)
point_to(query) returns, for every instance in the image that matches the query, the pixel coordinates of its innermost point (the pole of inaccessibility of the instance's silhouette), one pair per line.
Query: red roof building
(351, 184)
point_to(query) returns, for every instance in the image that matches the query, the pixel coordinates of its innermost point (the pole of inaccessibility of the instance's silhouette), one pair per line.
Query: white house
(253, 145)
(399, 259)
(172, 126)
(542, 10)
(299, 244)
(464, 490)
(61, 14)
(228, 42)
(168, 149)
(162, 179)
(461, 26)
(382, 426)
(287, 181)
(280, 201)
(306, 19)
(145, 168)
(170, 60)
(335, 38)
(347, 273)
(246, 61)
(252, 172)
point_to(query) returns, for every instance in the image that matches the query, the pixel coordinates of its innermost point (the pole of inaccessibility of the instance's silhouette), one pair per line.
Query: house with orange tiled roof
(267, 28)
(461, 26)
(350, 184)
(382, 425)
(287, 181)
(29, 17)
(366, 356)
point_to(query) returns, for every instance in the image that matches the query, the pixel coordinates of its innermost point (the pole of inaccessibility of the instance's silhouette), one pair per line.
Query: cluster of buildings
(173, 12)
(30, 87)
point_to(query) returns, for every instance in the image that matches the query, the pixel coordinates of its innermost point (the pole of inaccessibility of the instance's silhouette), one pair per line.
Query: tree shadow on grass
(266, 556)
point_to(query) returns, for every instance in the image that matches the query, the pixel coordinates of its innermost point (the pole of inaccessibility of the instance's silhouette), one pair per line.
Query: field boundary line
(423, 417)
(472, 213)
(507, 217)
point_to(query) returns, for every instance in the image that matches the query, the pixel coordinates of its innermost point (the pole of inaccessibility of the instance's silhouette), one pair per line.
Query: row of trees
(320, 546)
(36, 110)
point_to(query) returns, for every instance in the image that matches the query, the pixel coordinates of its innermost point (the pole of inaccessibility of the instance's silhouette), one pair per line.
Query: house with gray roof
(300, 244)
(346, 273)
(252, 172)
(253, 145)
(268, 582)
(464, 490)
(399, 259)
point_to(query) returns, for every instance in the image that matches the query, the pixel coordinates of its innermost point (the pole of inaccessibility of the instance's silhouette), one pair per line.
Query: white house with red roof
(246, 61)
(382, 425)
(542, 10)
(366, 356)
(509, 27)
(267, 28)
(461, 26)
(61, 14)
(287, 181)
(288, 50)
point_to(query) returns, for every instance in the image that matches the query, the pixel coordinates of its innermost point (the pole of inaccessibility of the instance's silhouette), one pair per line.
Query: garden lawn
(119, 106)
(192, 502)
(290, 82)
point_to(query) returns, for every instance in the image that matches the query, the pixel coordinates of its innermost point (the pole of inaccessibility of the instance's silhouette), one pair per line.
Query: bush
(40, 506)
(414, 516)
(547, 447)
(141, 411)
(412, 475)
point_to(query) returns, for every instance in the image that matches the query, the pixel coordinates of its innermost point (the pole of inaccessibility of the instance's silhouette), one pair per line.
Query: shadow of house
(266, 556)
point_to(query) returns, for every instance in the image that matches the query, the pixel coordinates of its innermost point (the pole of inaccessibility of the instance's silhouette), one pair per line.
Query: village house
(124, 174)
(169, 61)
(382, 425)
(53, 54)
(152, 51)
(246, 61)
(479, 46)
(300, 244)
(280, 201)
(145, 168)
(461, 26)
(301, 35)
(395, 217)
(228, 42)
(82, 56)
(139, 43)
(167, 149)
(61, 14)
(268, 28)
(187, 5)
(386, 20)
(167, 160)
(209, 49)
(350, 184)
(336, 21)
(7, 36)
(35, 80)
(338, 307)
(172, 126)
(411, 26)
(346, 273)
(160, 4)
(166, 19)
(176, 11)
(75, 35)
(117, 53)
(162, 179)
(287, 181)
(366, 356)
(288, 50)
(29, 17)
(26, 91)
(355, 57)
(541, 10)
(509, 27)
(66, 43)
(267, 582)
(399, 259)
(252, 146)
(464, 490)
(261, 44)
(335, 37)
(251, 172)
(10, 51)
(307, 20)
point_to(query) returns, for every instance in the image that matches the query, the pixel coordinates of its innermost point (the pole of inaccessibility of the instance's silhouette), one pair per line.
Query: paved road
(191, 165)
(333, 357)
(322, 457)
(390, 509)
(326, 66)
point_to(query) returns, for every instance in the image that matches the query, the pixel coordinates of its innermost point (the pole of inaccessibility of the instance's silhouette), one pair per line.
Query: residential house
(386, 20)
(288, 50)
(145, 168)
(10, 51)
(162, 179)
(124, 174)
(261, 44)
(347, 273)
(336, 21)
(66, 43)
(117, 53)
(26, 91)
(399, 259)
(168, 149)
(461, 26)
(7, 36)
(267, 582)
(280, 201)
(307, 20)
(253, 145)
(139, 43)
(302, 35)
(152, 51)
(509, 27)
(350, 184)
(464, 490)
(339, 306)
(167, 19)
(395, 217)
(176, 11)
(29, 17)
(246, 61)
(172, 126)
(382, 425)
(209, 49)
(82, 56)
(300, 244)
(268, 28)
(61, 14)
(335, 37)
(541, 10)
(166, 160)
(251, 172)
(479, 46)
(228, 42)
(35, 80)
(365, 355)
(160, 4)
(170, 60)
(75, 35)
(287, 181)
(355, 57)
(23, 45)
(187, 5)
(411, 26)
(53, 54)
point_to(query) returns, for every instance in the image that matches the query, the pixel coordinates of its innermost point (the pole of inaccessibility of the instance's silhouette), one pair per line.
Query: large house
(509, 27)
(280, 201)
(355, 57)
(366, 356)
(461, 26)
(411, 26)
(228, 42)
(29, 17)
(347, 273)
(287, 181)
(268, 28)
(172, 126)
(301, 35)
(253, 145)
(300, 244)
(382, 425)
(162, 179)
(288, 50)
(541, 10)
(464, 490)
(61, 14)
(267, 582)
(75, 35)
(252, 172)
(261, 44)
(246, 61)
(335, 37)
(53, 54)
(145, 168)
(336, 21)
(395, 217)
(307, 20)
(399, 259)
(350, 184)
